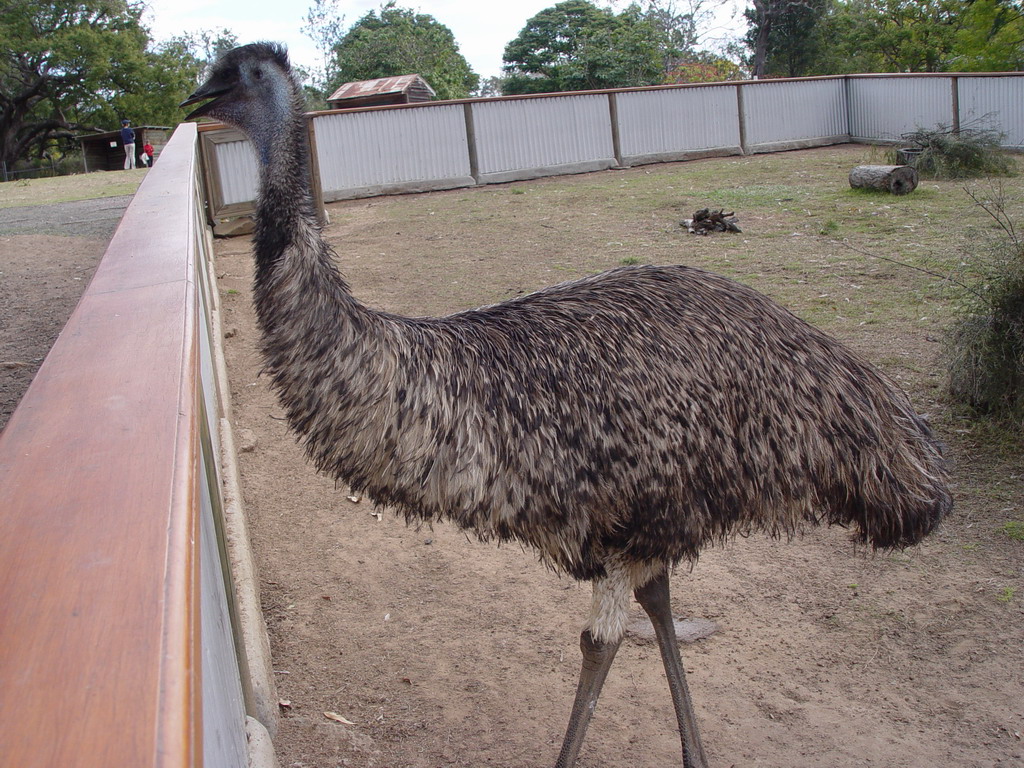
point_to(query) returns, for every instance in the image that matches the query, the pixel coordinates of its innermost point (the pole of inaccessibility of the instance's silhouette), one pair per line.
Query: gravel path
(81, 218)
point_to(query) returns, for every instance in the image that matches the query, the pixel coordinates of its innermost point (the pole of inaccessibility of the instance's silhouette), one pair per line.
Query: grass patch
(1014, 529)
(66, 189)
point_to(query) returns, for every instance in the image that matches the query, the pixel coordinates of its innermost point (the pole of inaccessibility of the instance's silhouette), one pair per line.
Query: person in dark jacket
(128, 139)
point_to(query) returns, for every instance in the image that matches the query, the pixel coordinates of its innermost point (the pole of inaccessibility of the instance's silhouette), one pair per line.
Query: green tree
(992, 37)
(898, 36)
(704, 67)
(577, 46)
(324, 28)
(69, 67)
(490, 87)
(682, 26)
(786, 38)
(399, 41)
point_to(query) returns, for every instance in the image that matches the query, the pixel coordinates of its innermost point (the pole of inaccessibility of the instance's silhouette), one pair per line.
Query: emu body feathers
(644, 412)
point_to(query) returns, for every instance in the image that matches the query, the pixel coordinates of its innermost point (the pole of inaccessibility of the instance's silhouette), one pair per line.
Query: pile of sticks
(706, 221)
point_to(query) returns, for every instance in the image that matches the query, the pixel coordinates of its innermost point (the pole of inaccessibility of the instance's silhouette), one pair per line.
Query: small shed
(104, 152)
(402, 89)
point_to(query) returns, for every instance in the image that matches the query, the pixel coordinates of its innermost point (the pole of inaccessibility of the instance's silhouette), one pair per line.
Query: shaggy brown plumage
(618, 424)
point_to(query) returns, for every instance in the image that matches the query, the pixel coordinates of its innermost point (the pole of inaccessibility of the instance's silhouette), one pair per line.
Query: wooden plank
(98, 509)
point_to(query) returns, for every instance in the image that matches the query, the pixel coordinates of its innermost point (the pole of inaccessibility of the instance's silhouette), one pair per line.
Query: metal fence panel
(237, 170)
(369, 152)
(996, 103)
(520, 138)
(884, 108)
(794, 113)
(663, 124)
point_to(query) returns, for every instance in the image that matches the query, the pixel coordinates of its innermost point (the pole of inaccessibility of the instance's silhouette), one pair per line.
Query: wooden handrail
(99, 473)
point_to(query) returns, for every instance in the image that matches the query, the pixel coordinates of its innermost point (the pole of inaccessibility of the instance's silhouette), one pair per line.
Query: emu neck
(284, 206)
(297, 284)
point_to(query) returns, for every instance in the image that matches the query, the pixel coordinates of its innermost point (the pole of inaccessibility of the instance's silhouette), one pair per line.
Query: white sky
(481, 28)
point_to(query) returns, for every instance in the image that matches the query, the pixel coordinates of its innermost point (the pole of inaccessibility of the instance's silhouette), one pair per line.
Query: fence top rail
(98, 579)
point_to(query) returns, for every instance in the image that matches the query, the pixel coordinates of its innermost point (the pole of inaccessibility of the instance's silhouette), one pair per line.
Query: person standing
(128, 139)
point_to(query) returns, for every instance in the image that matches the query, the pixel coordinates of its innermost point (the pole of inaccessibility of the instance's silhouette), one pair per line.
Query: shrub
(985, 348)
(963, 154)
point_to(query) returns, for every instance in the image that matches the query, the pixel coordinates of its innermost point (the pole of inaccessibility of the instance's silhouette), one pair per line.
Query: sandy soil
(443, 651)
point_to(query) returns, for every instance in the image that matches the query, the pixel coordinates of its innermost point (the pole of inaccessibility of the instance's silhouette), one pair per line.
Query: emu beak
(205, 91)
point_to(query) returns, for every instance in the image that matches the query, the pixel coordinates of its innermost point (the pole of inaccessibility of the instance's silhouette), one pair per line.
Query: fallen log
(896, 179)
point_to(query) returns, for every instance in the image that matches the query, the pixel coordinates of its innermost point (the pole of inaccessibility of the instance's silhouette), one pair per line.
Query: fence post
(314, 174)
(742, 119)
(955, 86)
(849, 107)
(474, 162)
(613, 112)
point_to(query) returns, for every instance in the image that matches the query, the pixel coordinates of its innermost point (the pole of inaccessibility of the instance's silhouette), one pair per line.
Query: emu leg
(597, 660)
(653, 596)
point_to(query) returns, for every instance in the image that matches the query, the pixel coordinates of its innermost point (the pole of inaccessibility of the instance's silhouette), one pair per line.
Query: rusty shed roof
(380, 86)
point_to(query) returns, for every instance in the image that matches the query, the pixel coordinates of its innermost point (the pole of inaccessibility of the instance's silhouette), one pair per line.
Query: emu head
(253, 89)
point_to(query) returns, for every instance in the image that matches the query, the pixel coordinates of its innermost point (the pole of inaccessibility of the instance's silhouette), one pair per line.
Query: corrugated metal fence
(360, 153)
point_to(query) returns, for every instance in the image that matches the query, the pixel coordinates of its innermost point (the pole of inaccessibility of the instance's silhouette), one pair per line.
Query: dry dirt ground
(442, 651)
(446, 652)
(47, 256)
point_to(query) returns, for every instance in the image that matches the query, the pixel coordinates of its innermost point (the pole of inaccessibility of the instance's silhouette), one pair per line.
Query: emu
(617, 424)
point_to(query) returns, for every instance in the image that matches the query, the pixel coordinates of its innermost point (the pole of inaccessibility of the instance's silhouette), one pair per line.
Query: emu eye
(258, 74)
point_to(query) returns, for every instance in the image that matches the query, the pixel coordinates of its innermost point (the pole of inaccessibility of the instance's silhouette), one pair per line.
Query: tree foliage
(897, 36)
(399, 41)
(70, 67)
(786, 37)
(576, 46)
(324, 28)
(816, 37)
(992, 37)
(703, 67)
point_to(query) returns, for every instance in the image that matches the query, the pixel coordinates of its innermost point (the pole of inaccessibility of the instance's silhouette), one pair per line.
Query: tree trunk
(763, 20)
(897, 179)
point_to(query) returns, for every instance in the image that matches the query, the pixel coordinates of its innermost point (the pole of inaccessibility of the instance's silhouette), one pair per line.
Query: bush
(967, 153)
(985, 348)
